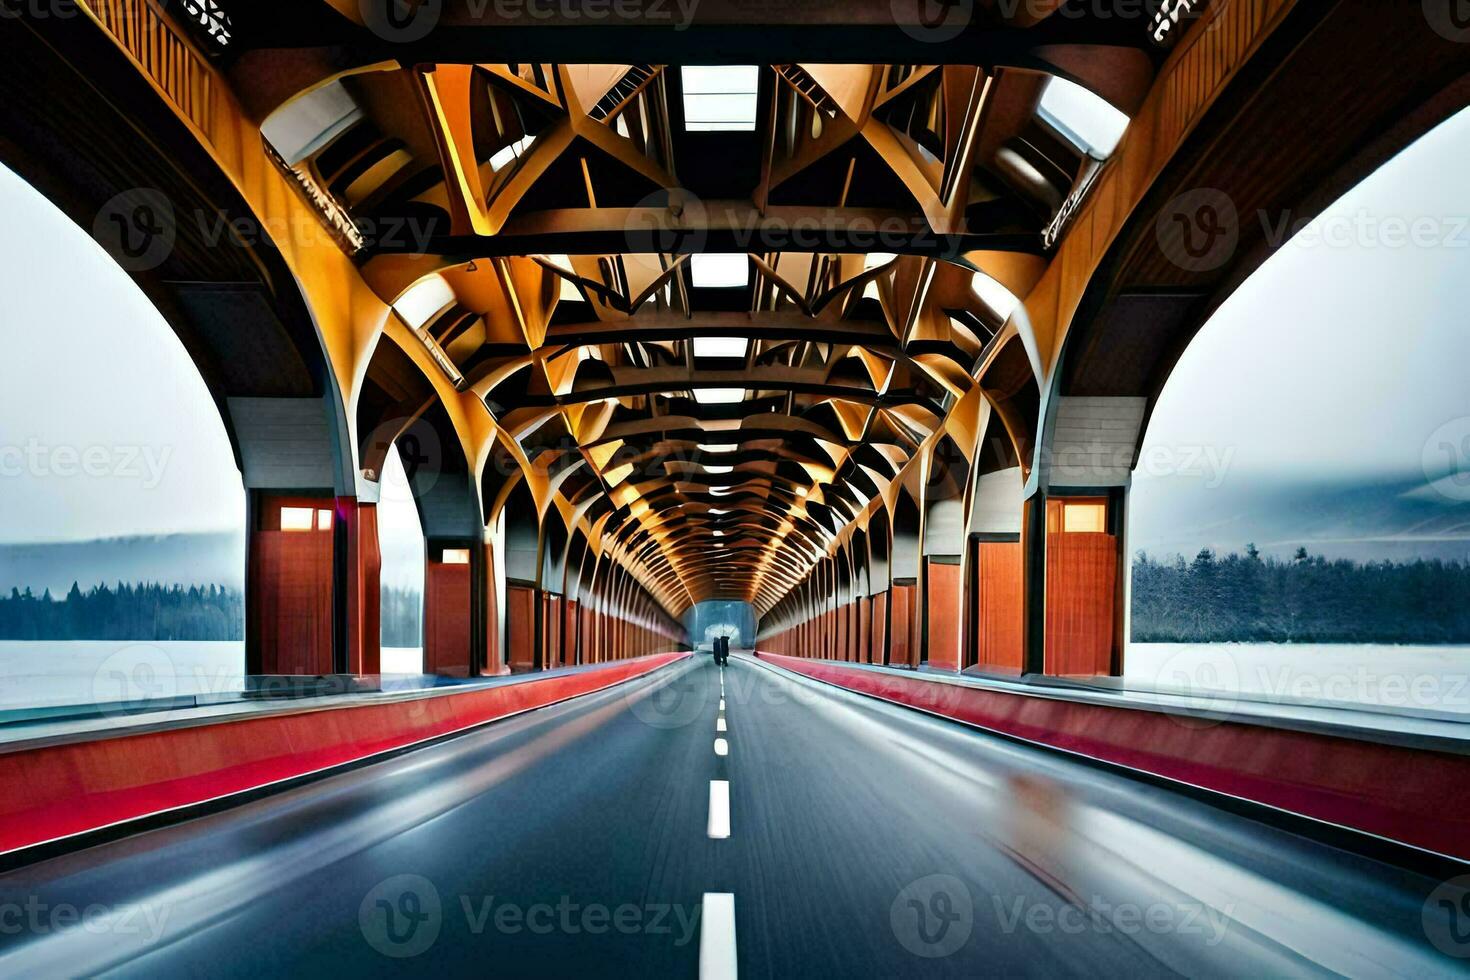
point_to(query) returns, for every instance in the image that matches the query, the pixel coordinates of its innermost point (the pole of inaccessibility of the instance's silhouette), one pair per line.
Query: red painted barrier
(71, 788)
(1399, 793)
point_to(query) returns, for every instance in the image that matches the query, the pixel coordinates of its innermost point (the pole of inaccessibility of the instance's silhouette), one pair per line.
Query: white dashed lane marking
(719, 809)
(717, 937)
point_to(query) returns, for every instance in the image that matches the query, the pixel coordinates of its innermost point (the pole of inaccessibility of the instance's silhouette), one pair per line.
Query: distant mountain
(1379, 520)
(216, 558)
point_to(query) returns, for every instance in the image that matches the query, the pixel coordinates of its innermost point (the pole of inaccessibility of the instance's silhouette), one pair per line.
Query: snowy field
(39, 673)
(1426, 679)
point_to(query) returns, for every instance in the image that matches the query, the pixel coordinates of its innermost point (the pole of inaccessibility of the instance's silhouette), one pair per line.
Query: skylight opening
(718, 447)
(718, 469)
(422, 300)
(1001, 300)
(720, 98)
(719, 270)
(507, 155)
(719, 396)
(1087, 120)
(720, 347)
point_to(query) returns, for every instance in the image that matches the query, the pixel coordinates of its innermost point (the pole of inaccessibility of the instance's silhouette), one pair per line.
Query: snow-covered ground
(39, 673)
(1419, 678)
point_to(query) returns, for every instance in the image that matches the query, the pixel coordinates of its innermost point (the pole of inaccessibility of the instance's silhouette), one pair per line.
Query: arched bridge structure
(856, 313)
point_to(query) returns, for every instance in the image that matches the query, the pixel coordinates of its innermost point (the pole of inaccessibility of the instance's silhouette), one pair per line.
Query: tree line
(154, 611)
(1306, 599)
(145, 611)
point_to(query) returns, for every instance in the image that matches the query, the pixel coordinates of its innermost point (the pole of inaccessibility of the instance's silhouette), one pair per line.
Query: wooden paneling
(446, 619)
(1081, 575)
(942, 594)
(902, 649)
(551, 630)
(999, 615)
(520, 627)
(290, 603)
(878, 630)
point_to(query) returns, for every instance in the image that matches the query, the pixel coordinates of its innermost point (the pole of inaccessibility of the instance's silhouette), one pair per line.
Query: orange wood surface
(446, 619)
(943, 597)
(1081, 574)
(999, 642)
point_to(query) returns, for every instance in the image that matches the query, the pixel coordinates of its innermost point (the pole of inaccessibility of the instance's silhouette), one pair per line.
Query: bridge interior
(848, 314)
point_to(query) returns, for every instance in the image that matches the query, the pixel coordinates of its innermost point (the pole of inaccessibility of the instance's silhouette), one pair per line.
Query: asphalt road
(864, 840)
